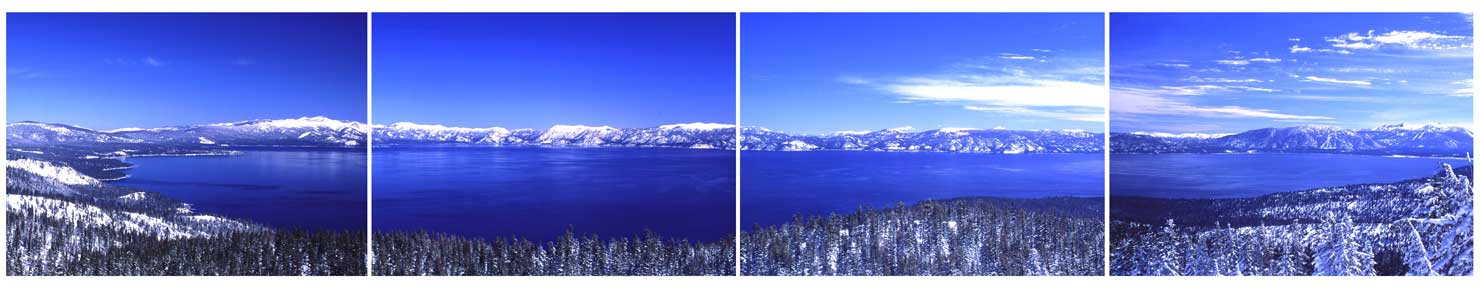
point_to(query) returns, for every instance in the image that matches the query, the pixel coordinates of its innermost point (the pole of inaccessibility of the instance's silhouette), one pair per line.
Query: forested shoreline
(423, 253)
(1418, 227)
(964, 236)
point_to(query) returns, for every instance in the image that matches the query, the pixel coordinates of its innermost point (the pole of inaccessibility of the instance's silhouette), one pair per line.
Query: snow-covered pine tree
(1035, 264)
(1338, 252)
(1289, 263)
(1169, 255)
(1442, 236)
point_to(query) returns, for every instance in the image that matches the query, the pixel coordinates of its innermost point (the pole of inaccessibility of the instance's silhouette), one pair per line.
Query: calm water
(1246, 175)
(778, 185)
(536, 193)
(318, 189)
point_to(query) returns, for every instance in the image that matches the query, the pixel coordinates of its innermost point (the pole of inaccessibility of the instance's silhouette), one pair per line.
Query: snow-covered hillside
(690, 135)
(60, 174)
(964, 140)
(1386, 139)
(305, 131)
(163, 227)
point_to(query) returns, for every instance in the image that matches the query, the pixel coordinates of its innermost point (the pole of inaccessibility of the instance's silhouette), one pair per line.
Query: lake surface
(307, 188)
(778, 185)
(1248, 175)
(536, 193)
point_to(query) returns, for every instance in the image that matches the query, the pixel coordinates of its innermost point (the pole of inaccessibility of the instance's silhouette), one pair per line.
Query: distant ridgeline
(692, 135)
(963, 236)
(1425, 140)
(965, 140)
(1414, 227)
(722, 136)
(64, 219)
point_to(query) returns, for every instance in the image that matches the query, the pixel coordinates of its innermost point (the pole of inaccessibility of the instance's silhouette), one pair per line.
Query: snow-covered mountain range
(966, 140)
(306, 131)
(692, 135)
(721, 136)
(1431, 139)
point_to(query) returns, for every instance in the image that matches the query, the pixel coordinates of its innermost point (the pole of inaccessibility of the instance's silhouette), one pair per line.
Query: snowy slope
(689, 135)
(1387, 139)
(168, 227)
(963, 140)
(305, 131)
(60, 174)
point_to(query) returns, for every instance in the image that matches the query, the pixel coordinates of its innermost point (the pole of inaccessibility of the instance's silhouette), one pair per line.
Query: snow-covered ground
(62, 174)
(172, 227)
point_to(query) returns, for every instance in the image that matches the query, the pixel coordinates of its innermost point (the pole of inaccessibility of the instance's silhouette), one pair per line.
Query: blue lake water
(304, 188)
(536, 193)
(1247, 175)
(778, 185)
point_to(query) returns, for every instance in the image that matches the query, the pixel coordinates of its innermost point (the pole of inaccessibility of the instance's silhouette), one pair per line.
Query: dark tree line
(967, 236)
(647, 254)
(45, 246)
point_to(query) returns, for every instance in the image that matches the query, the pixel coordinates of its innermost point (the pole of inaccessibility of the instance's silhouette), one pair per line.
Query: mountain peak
(1420, 127)
(301, 122)
(1316, 127)
(1183, 135)
(579, 128)
(439, 127)
(697, 126)
(901, 129)
(956, 131)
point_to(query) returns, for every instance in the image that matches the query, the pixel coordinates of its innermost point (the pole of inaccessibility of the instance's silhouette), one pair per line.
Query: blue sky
(106, 71)
(822, 73)
(1225, 73)
(536, 70)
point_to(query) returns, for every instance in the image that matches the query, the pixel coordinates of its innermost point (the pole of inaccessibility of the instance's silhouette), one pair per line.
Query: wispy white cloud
(1174, 65)
(1194, 90)
(23, 73)
(1337, 81)
(1354, 45)
(1010, 56)
(1338, 98)
(1301, 49)
(1220, 80)
(151, 61)
(1234, 62)
(854, 80)
(1151, 102)
(1405, 39)
(1043, 50)
(1004, 91)
(1087, 116)
(1467, 88)
(1068, 88)
(1242, 62)
(1364, 70)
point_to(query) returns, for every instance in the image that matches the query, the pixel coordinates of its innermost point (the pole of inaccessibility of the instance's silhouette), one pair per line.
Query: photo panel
(922, 144)
(1284, 144)
(186, 144)
(572, 144)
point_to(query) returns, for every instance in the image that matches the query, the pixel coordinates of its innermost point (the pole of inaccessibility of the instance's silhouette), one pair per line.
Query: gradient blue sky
(115, 70)
(536, 70)
(1211, 73)
(821, 73)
